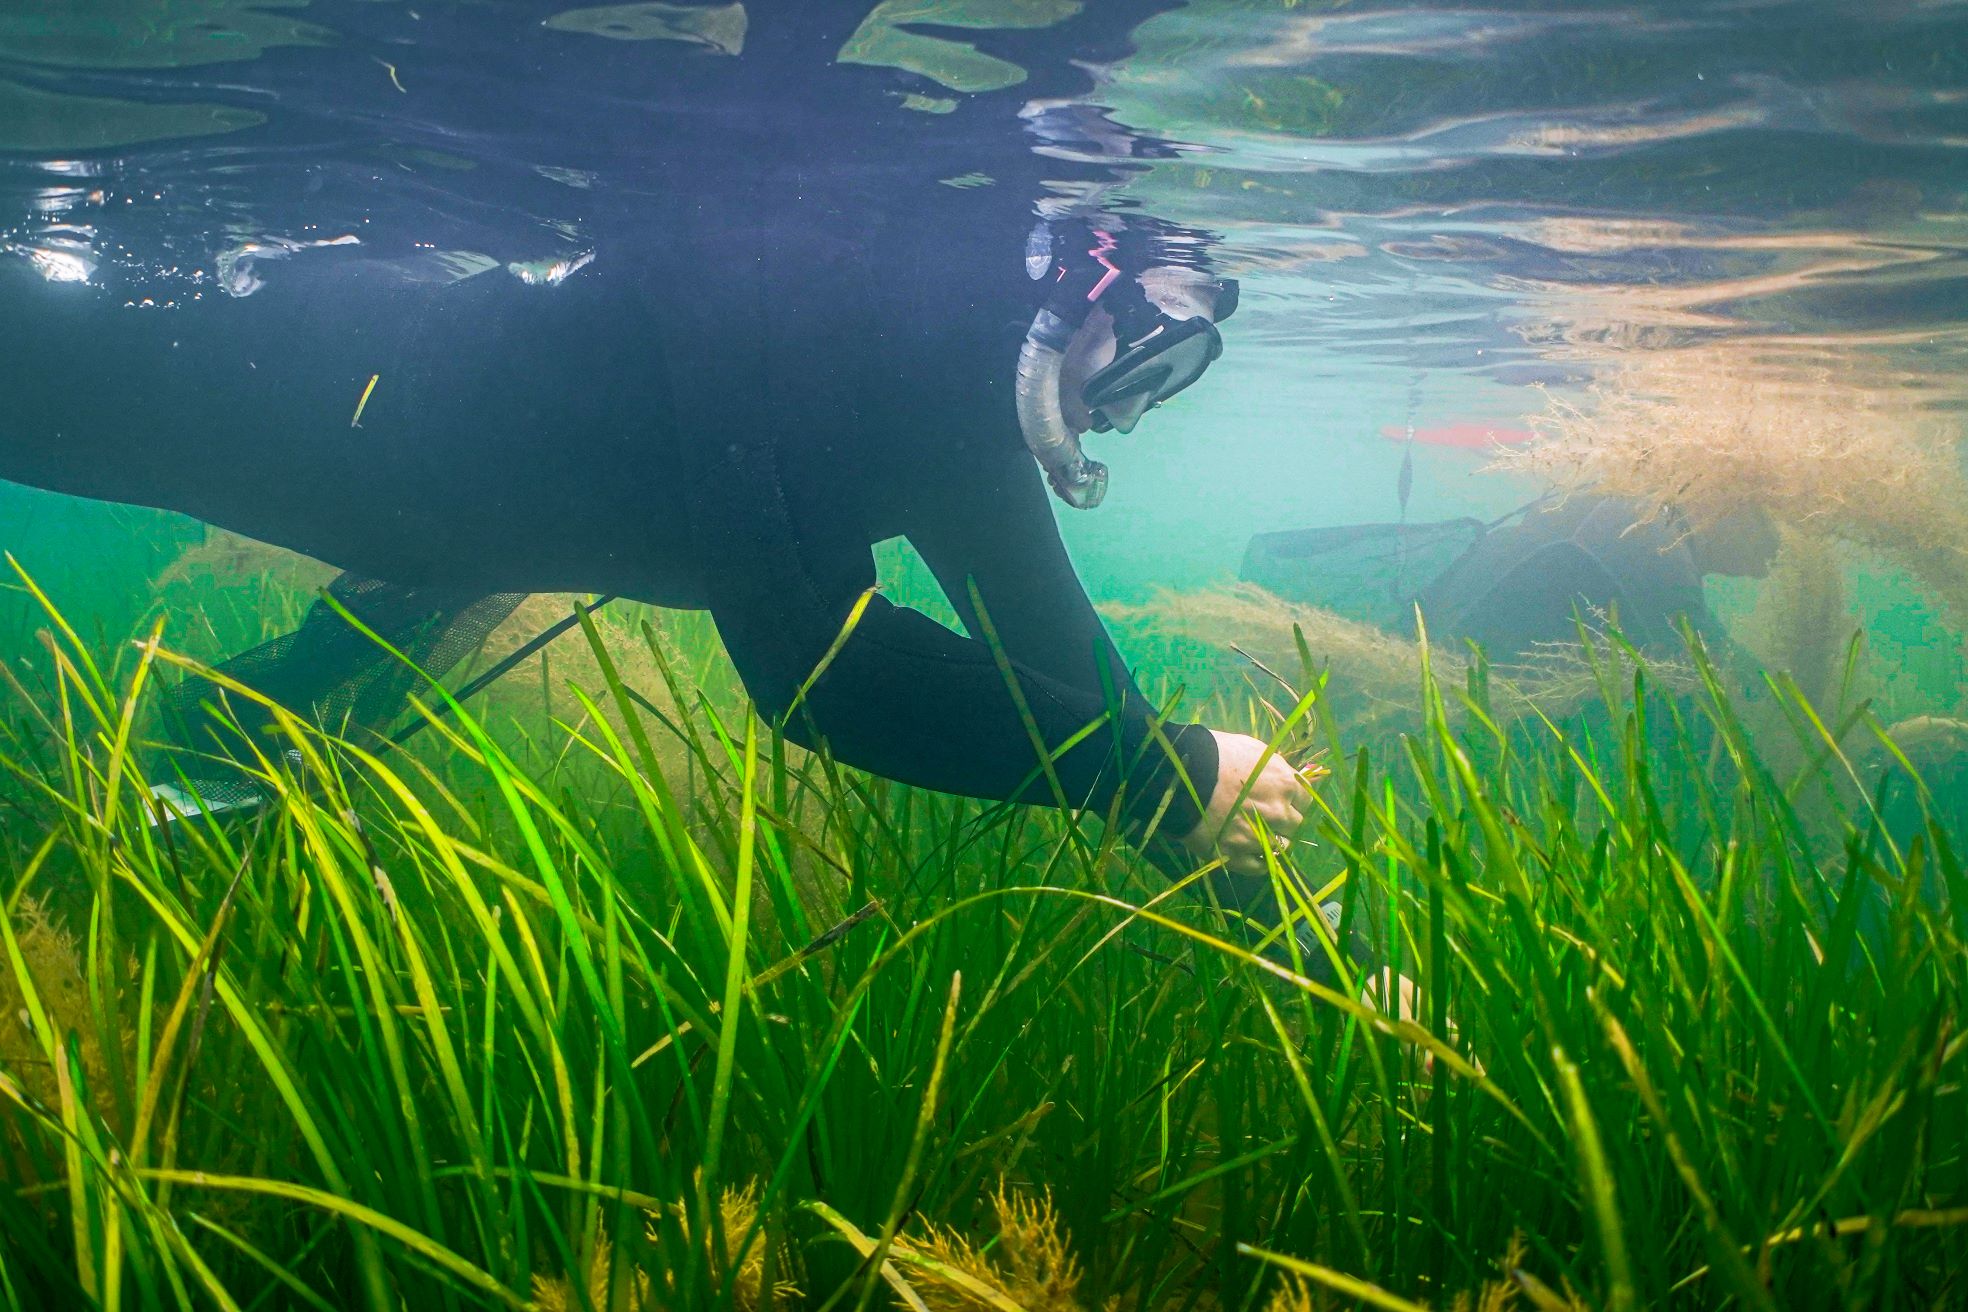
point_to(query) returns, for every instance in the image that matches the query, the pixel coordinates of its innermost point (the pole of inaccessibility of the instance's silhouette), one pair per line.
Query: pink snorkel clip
(1100, 253)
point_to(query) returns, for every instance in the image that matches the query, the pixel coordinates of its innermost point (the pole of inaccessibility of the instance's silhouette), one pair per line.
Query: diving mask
(1158, 354)
(1150, 369)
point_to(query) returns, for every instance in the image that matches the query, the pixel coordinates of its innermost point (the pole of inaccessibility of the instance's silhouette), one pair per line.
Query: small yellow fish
(363, 404)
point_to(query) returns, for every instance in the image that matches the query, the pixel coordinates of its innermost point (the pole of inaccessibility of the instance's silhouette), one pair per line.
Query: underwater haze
(1037, 655)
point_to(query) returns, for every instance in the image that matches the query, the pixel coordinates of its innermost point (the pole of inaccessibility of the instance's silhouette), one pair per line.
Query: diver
(1512, 588)
(730, 425)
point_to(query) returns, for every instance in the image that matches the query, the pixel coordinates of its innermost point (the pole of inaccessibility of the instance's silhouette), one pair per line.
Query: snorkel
(1076, 480)
(1156, 353)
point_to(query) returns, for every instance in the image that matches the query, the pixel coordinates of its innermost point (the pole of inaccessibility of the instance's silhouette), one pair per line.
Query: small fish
(1405, 481)
(395, 81)
(363, 404)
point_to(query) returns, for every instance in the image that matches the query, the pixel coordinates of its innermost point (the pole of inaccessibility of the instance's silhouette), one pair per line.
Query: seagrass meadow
(599, 995)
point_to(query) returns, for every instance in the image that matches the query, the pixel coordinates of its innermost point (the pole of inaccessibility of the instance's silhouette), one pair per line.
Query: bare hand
(1400, 997)
(1277, 797)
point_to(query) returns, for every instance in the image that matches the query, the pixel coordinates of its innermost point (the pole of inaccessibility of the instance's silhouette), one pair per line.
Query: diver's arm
(904, 696)
(989, 525)
(907, 698)
(993, 529)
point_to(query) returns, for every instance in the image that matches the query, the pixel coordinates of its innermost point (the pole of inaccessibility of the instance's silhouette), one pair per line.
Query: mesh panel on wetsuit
(1368, 572)
(337, 676)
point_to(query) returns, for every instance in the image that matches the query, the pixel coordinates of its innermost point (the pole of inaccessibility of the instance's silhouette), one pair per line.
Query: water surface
(1442, 215)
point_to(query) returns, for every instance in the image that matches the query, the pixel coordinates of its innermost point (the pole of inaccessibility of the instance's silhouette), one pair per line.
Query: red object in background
(1463, 435)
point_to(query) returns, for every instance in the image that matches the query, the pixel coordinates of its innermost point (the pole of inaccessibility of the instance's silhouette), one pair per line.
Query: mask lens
(1150, 371)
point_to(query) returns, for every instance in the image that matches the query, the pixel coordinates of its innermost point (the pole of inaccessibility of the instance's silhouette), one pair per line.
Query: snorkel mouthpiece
(1081, 485)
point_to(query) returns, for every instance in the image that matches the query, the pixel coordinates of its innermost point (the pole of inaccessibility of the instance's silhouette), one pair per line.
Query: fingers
(1389, 992)
(1277, 787)
(1256, 790)
(1272, 812)
(1245, 847)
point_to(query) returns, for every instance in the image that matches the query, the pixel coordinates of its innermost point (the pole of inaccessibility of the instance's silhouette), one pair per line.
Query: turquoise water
(1446, 221)
(479, 307)
(1440, 209)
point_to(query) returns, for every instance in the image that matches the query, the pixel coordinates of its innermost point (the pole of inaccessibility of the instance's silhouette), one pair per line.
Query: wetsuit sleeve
(995, 534)
(910, 699)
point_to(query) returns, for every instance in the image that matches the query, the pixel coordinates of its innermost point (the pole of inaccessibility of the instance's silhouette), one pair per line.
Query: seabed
(601, 995)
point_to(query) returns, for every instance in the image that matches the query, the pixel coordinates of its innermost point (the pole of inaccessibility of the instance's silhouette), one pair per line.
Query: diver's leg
(327, 671)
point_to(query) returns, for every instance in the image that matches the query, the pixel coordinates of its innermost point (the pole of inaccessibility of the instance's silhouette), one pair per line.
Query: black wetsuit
(727, 420)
